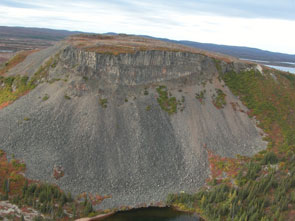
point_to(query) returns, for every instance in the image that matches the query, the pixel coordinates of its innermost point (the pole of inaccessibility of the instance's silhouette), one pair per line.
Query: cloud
(244, 23)
(283, 9)
(15, 3)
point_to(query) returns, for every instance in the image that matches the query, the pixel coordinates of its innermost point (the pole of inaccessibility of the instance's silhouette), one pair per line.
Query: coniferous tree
(63, 199)
(69, 197)
(60, 212)
(88, 209)
(6, 186)
(74, 210)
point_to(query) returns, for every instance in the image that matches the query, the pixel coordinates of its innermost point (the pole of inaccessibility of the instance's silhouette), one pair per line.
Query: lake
(281, 68)
(6, 51)
(152, 214)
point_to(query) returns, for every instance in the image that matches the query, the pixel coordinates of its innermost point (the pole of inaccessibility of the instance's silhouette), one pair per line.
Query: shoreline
(102, 216)
(187, 211)
(96, 218)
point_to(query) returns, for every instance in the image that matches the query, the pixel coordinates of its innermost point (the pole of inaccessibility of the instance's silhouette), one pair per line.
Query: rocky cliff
(135, 125)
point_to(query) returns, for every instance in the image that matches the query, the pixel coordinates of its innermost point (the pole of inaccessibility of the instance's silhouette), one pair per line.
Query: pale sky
(264, 24)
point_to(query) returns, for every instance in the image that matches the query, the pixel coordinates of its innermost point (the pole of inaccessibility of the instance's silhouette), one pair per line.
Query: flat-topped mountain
(122, 44)
(123, 116)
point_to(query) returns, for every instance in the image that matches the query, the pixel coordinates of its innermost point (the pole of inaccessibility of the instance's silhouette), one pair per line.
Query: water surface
(152, 214)
(6, 50)
(281, 68)
(278, 67)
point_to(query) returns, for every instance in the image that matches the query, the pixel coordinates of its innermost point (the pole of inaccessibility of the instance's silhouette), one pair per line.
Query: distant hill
(13, 39)
(236, 51)
(34, 33)
(16, 38)
(242, 52)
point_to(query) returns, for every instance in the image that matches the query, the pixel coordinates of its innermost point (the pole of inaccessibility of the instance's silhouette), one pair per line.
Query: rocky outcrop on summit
(142, 67)
(102, 124)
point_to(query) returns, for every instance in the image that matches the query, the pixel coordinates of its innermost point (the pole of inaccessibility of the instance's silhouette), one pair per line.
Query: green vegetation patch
(42, 72)
(271, 100)
(103, 102)
(48, 199)
(167, 102)
(201, 96)
(256, 197)
(11, 88)
(218, 65)
(219, 99)
(45, 97)
(270, 158)
(67, 97)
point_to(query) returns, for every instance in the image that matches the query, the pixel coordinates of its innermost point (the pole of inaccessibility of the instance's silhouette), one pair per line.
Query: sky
(264, 24)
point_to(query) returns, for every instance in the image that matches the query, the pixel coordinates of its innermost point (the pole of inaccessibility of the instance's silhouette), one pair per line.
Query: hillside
(260, 187)
(133, 119)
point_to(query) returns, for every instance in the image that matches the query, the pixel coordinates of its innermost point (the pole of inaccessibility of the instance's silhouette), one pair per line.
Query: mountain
(236, 51)
(128, 121)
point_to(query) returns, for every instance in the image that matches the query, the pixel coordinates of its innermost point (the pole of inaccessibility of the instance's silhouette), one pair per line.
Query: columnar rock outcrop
(142, 67)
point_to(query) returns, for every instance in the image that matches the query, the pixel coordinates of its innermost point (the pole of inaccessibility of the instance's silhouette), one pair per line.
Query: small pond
(152, 214)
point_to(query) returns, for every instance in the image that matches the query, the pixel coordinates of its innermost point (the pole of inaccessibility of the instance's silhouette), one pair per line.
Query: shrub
(201, 96)
(45, 98)
(88, 209)
(219, 99)
(103, 102)
(166, 101)
(146, 92)
(9, 81)
(269, 157)
(38, 218)
(67, 97)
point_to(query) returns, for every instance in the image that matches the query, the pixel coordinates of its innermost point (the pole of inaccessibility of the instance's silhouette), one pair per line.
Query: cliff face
(142, 67)
(103, 125)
